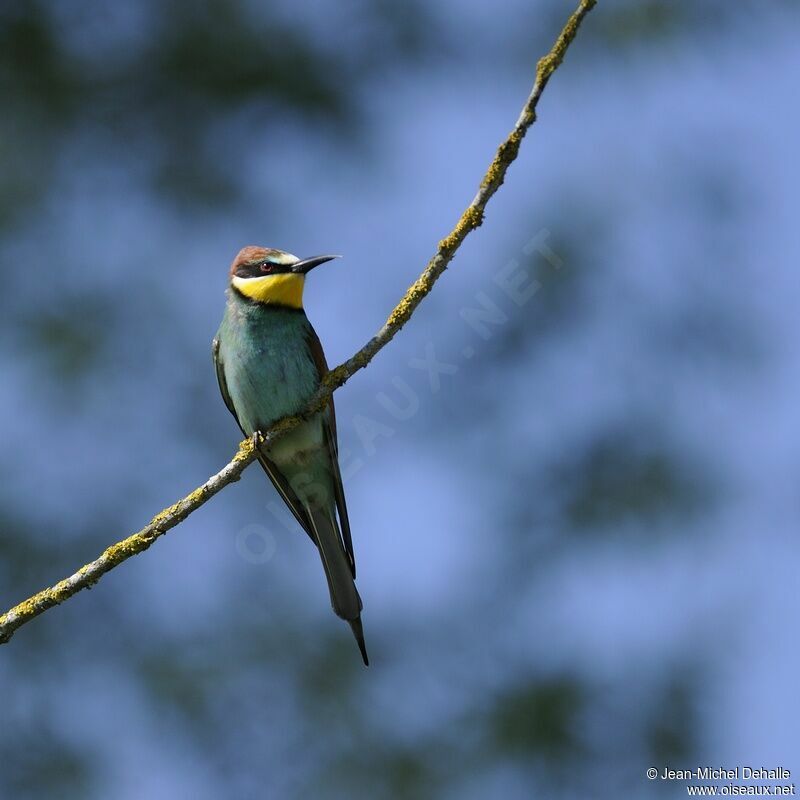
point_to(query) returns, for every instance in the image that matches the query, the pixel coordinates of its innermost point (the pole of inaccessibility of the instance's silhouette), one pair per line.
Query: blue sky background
(577, 545)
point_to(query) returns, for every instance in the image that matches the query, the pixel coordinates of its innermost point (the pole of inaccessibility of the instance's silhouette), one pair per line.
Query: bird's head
(271, 276)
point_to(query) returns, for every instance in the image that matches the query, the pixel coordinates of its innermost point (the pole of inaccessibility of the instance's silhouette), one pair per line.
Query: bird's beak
(307, 264)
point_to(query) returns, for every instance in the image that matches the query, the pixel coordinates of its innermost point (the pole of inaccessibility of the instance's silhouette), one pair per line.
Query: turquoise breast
(268, 367)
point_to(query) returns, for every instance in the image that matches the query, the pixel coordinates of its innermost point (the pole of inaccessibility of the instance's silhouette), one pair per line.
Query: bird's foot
(260, 440)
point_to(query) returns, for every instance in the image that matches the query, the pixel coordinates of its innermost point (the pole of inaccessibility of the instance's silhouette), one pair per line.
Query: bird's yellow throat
(285, 289)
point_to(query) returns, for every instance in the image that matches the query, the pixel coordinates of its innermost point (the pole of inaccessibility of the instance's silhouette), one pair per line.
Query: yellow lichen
(410, 300)
(31, 607)
(195, 496)
(546, 66)
(506, 153)
(470, 219)
(337, 376)
(246, 449)
(123, 550)
(165, 514)
(549, 63)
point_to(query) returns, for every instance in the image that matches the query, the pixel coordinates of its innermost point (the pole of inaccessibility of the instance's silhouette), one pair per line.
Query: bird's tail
(344, 595)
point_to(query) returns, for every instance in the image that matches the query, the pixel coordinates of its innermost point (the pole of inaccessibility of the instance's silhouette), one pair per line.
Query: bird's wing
(223, 386)
(288, 495)
(329, 428)
(278, 481)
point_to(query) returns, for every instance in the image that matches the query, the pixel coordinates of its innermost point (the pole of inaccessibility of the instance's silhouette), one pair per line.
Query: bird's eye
(265, 266)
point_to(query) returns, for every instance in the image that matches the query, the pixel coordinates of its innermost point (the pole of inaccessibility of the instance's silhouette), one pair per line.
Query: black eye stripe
(259, 269)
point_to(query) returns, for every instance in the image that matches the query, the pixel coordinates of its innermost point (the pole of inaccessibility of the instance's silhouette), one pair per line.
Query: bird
(269, 363)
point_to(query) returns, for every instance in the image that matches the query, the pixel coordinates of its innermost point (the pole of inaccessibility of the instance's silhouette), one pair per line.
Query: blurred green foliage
(161, 85)
(622, 476)
(539, 720)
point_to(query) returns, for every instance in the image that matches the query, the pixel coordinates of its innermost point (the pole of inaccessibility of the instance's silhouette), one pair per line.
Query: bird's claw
(260, 440)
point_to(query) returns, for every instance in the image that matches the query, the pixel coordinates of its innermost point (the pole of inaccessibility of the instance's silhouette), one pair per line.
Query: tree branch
(472, 218)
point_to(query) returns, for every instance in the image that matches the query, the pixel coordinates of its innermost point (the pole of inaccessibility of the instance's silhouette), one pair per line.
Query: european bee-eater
(269, 363)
